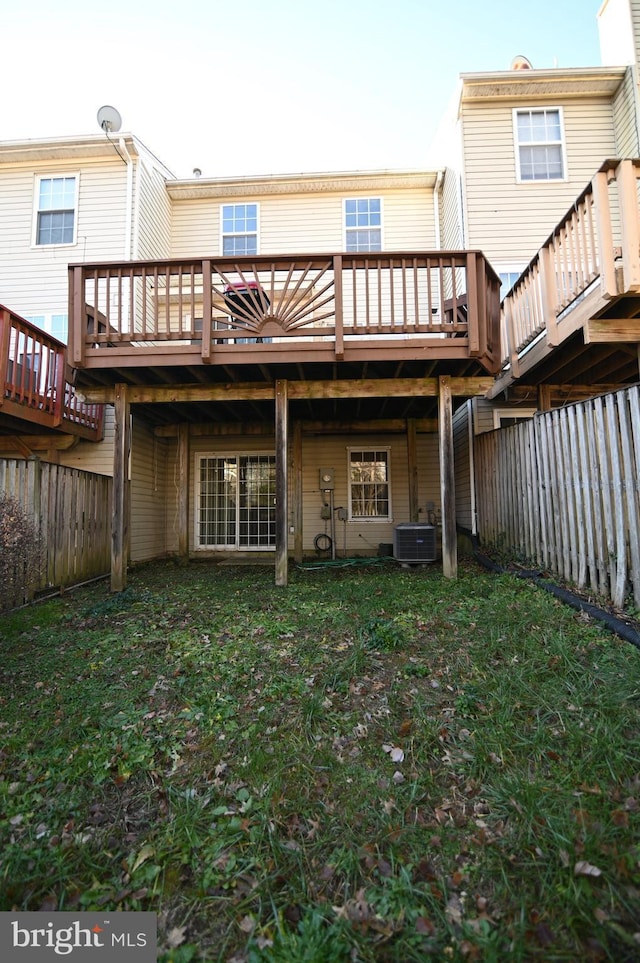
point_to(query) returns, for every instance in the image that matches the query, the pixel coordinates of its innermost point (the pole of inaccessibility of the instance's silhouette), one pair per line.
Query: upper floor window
(507, 280)
(539, 144)
(56, 210)
(369, 487)
(239, 229)
(363, 224)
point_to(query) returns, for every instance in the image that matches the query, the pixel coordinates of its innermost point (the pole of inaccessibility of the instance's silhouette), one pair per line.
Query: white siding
(624, 113)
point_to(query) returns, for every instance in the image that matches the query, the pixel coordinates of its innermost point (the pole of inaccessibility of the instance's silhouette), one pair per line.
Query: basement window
(539, 139)
(369, 487)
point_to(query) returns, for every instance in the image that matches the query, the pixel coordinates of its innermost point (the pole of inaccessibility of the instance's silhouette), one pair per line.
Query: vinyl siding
(148, 494)
(462, 466)
(451, 238)
(33, 279)
(510, 221)
(94, 456)
(153, 237)
(624, 116)
(309, 223)
(329, 451)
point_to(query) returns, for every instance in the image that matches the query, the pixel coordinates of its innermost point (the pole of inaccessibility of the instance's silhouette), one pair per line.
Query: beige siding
(450, 214)
(624, 113)
(510, 221)
(33, 280)
(148, 494)
(310, 223)
(362, 538)
(94, 456)
(462, 464)
(153, 232)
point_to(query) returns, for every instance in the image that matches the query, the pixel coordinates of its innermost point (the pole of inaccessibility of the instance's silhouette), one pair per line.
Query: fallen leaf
(176, 936)
(583, 868)
(145, 853)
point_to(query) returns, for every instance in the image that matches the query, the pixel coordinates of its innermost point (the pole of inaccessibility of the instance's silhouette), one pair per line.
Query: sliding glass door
(236, 502)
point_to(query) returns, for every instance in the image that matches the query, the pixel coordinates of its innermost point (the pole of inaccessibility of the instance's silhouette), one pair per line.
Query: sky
(273, 87)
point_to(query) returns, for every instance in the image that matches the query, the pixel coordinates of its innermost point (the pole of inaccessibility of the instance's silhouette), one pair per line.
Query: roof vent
(521, 63)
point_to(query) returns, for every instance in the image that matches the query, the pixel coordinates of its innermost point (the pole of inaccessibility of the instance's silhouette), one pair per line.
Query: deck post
(608, 282)
(412, 458)
(183, 491)
(627, 183)
(5, 340)
(296, 467)
(282, 471)
(447, 479)
(120, 506)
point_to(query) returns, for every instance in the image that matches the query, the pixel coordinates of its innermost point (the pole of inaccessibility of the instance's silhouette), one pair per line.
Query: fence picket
(565, 493)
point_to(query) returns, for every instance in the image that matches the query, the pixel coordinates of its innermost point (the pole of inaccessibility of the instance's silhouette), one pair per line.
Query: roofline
(302, 183)
(547, 82)
(71, 148)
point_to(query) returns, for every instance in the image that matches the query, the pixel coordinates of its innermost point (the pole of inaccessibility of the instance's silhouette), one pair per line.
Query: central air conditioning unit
(414, 543)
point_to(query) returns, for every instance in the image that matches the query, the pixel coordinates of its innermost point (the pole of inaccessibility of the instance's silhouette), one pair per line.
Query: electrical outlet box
(325, 512)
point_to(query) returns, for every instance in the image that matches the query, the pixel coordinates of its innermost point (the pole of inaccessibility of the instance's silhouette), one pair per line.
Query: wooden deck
(571, 323)
(37, 394)
(257, 311)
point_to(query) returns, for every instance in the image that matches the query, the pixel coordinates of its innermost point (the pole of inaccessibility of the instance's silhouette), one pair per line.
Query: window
(54, 324)
(56, 210)
(363, 224)
(369, 495)
(507, 280)
(539, 145)
(239, 229)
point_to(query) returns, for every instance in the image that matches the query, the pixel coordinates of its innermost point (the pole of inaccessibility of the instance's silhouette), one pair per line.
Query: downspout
(472, 466)
(128, 227)
(437, 190)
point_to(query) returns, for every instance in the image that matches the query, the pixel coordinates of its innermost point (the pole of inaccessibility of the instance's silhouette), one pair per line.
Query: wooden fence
(71, 511)
(563, 491)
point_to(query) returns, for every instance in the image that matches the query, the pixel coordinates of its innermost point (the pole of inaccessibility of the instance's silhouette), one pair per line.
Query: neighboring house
(292, 361)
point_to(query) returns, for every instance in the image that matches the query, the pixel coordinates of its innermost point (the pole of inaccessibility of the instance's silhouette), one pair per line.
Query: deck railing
(34, 383)
(195, 306)
(595, 245)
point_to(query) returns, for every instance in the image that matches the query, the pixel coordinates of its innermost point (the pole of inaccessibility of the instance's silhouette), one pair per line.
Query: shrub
(20, 554)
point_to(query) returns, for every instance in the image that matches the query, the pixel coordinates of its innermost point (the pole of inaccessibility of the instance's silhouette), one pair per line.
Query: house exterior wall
(310, 222)
(152, 222)
(507, 220)
(33, 279)
(452, 237)
(92, 456)
(362, 537)
(148, 530)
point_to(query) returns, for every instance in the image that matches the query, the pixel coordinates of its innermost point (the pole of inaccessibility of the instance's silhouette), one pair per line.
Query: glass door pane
(217, 522)
(257, 501)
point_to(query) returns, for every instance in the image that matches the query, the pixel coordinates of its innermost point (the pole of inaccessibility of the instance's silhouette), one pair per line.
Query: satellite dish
(520, 63)
(109, 119)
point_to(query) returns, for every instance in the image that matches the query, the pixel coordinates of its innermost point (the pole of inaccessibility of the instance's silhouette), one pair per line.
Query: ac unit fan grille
(414, 543)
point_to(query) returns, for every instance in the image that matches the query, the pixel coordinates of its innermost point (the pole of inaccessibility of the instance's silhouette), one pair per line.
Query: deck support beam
(183, 491)
(282, 472)
(120, 506)
(296, 460)
(447, 479)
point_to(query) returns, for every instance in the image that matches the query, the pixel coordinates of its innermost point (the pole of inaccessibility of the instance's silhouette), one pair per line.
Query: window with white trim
(56, 206)
(235, 501)
(54, 324)
(507, 280)
(369, 484)
(539, 139)
(239, 229)
(363, 224)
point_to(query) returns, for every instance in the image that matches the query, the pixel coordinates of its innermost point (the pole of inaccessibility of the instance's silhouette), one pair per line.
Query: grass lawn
(373, 764)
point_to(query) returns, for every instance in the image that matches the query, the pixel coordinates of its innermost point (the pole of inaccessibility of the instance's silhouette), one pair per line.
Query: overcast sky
(270, 87)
